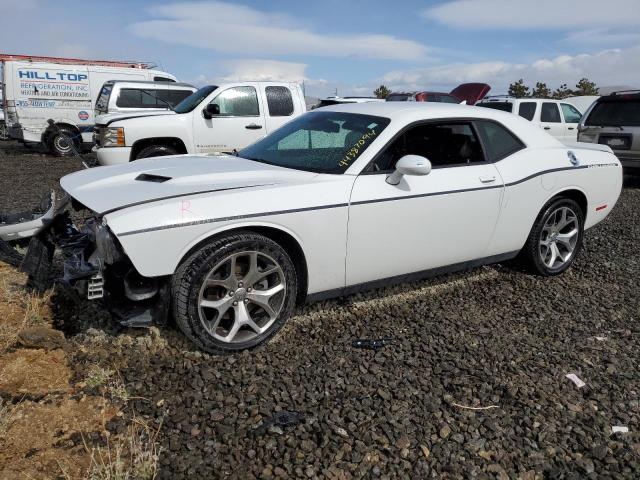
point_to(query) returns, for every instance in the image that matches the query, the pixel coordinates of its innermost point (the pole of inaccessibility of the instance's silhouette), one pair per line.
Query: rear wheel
(63, 142)
(234, 293)
(156, 151)
(556, 237)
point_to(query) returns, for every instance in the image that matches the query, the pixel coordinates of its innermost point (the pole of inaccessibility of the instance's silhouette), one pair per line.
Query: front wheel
(234, 293)
(156, 151)
(556, 237)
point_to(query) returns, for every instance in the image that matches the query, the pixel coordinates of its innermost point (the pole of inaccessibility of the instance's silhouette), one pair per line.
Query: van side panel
(38, 92)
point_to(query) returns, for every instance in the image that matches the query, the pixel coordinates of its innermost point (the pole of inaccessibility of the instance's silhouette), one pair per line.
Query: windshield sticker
(357, 147)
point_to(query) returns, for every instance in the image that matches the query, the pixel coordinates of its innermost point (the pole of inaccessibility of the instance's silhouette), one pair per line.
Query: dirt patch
(51, 440)
(55, 416)
(33, 373)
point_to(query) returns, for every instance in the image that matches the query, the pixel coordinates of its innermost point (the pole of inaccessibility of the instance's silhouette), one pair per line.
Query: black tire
(156, 151)
(531, 253)
(192, 273)
(63, 142)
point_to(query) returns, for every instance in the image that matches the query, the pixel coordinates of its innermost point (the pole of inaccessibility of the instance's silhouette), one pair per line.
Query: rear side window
(172, 97)
(615, 114)
(504, 106)
(571, 113)
(279, 101)
(498, 141)
(550, 113)
(162, 79)
(527, 110)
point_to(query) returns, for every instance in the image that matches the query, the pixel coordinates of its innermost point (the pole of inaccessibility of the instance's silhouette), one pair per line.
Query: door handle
(547, 128)
(570, 128)
(488, 179)
(253, 126)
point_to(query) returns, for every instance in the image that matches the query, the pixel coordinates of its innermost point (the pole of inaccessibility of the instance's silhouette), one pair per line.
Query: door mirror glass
(211, 110)
(409, 165)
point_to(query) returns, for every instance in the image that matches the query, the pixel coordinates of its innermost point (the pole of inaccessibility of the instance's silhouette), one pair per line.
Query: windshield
(621, 113)
(193, 100)
(504, 106)
(323, 142)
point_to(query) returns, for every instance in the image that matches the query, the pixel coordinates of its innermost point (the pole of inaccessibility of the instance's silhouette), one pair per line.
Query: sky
(346, 46)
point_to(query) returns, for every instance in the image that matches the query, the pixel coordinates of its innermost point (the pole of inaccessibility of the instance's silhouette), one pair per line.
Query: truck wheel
(63, 142)
(156, 151)
(556, 238)
(234, 293)
(3, 131)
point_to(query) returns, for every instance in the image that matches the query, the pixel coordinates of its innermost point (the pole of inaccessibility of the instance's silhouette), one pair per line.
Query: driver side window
(238, 102)
(443, 144)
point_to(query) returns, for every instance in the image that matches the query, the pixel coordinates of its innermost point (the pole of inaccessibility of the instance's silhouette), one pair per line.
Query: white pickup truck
(213, 119)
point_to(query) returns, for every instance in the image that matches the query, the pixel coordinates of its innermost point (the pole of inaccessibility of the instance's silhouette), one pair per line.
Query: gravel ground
(496, 339)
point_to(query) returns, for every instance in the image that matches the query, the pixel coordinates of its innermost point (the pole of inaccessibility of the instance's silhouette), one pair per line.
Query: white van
(214, 119)
(557, 117)
(50, 100)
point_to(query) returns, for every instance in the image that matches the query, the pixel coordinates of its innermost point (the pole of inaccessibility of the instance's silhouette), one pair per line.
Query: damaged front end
(95, 266)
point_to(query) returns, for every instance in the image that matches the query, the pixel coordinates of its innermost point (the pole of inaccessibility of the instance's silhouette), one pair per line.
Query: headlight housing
(112, 137)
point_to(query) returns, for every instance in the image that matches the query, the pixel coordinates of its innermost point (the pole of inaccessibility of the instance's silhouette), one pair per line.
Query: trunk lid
(471, 92)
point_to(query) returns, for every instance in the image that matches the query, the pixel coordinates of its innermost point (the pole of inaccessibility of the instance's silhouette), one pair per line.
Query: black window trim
(366, 170)
(260, 114)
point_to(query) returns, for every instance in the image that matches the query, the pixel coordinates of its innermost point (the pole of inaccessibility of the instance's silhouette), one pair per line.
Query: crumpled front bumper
(95, 265)
(22, 225)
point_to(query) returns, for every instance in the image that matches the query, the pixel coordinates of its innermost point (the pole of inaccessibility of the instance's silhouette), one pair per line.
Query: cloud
(604, 36)
(264, 70)
(538, 15)
(242, 30)
(606, 67)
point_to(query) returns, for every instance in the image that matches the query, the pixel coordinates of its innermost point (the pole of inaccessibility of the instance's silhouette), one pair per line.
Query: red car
(471, 92)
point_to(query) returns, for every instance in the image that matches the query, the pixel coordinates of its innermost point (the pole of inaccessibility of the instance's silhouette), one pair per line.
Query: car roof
(409, 112)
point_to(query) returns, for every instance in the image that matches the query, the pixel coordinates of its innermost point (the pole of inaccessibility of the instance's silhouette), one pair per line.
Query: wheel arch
(577, 195)
(51, 129)
(173, 142)
(282, 237)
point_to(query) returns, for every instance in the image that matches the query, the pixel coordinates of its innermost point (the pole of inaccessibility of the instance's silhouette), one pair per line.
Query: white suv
(558, 118)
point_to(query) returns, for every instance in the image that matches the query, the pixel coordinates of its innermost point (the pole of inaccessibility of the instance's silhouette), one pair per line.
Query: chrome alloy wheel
(242, 296)
(559, 237)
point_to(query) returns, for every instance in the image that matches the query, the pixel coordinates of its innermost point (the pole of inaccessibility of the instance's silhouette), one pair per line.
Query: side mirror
(210, 110)
(409, 165)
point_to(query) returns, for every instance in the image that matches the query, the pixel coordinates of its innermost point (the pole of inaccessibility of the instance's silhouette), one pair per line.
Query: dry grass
(19, 309)
(134, 457)
(7, 415)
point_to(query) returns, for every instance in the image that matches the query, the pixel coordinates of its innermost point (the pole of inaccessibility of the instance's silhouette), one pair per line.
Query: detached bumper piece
(22, 225)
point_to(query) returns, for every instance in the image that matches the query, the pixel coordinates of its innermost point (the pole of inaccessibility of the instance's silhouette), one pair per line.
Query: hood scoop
(150, 177)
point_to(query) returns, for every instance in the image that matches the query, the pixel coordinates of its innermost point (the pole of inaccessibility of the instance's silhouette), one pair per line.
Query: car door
(239, 123)
(571, 120)
(551, 121)
(425, 222)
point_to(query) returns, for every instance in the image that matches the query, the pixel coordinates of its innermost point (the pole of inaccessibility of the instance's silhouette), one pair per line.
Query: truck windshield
(323, 142)
(193, 100)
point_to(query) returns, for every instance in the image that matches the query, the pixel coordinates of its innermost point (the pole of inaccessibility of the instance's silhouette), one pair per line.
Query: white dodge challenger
(341, 199)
